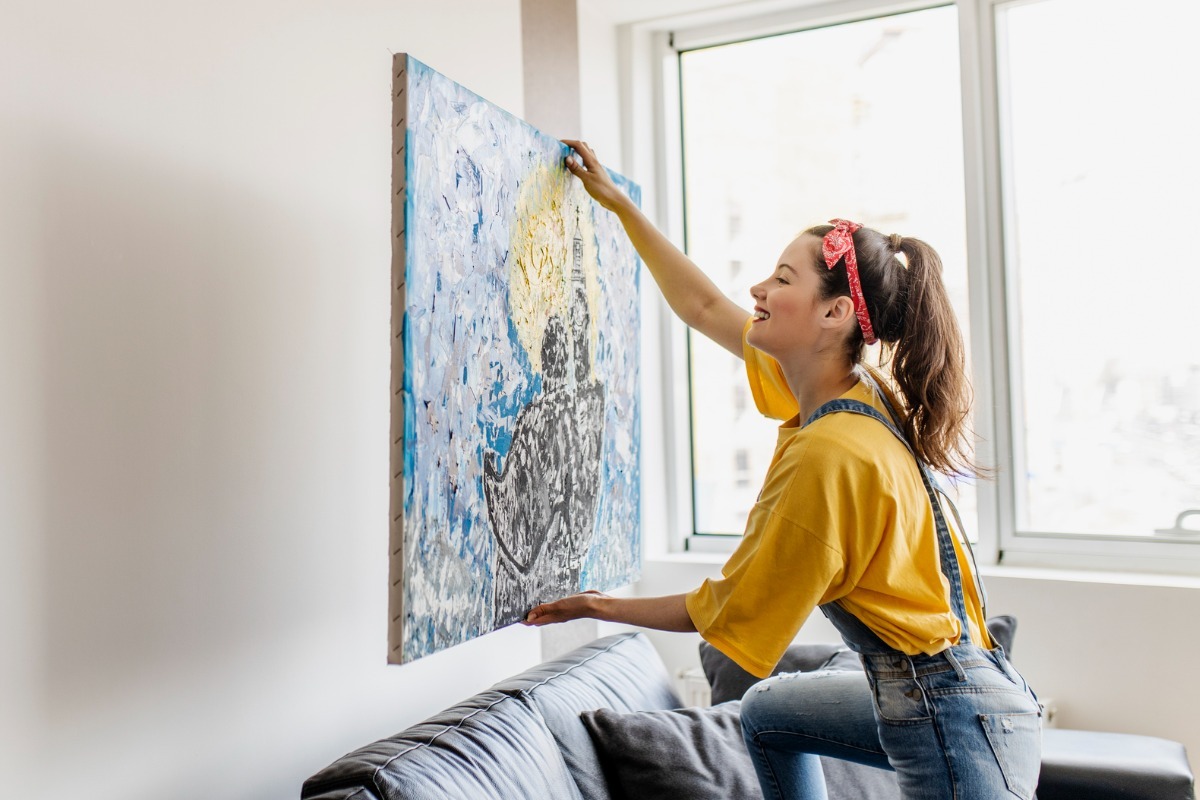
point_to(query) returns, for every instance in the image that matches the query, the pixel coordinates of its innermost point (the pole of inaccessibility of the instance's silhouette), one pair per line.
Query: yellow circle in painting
(553, 214)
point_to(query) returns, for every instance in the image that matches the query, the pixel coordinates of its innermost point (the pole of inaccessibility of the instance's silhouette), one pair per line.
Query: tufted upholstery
(520, 739)
(623, 675)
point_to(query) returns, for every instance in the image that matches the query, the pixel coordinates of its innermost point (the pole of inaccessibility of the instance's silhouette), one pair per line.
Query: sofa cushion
(492, 746)
(697, 753)
(668, 754)
(622, 673)
(1003, 629)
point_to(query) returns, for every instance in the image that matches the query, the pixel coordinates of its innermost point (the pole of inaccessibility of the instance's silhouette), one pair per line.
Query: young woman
(848, 521)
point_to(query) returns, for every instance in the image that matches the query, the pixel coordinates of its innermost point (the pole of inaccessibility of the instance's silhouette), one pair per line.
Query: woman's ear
(839, 311)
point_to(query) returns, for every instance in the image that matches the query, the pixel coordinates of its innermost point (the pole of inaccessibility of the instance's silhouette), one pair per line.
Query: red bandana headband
(840, 242)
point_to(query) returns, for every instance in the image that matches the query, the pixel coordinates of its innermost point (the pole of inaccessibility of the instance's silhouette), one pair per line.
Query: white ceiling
(624, 11)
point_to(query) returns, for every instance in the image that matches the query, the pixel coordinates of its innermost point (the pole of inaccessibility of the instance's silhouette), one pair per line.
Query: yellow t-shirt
(843, 515)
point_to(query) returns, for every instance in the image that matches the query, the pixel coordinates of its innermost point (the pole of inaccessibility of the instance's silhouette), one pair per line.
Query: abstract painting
(515, 411)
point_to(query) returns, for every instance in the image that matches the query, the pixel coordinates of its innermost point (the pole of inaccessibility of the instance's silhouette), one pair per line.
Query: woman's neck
(818, 381)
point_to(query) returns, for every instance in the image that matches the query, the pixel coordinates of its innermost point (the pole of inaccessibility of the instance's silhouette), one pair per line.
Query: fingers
(561, 610)
(581, 148)
(586, 154)
(539, 615)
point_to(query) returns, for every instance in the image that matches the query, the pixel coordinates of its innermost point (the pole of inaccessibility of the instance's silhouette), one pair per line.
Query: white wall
(599, 66)
(194, 262)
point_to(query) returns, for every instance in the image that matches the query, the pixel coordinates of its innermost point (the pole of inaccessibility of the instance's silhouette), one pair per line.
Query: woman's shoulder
(846, 442)
(827, 448)
(845, 439)
(844, 463)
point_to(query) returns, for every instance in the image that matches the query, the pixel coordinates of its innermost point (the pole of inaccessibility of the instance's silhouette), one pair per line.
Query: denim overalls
(961, 724)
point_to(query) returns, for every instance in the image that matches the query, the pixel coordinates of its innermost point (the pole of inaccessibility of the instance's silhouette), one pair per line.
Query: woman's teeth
(761, 315)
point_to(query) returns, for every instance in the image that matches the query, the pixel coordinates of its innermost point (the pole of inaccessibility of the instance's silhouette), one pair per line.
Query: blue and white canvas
(517, 450)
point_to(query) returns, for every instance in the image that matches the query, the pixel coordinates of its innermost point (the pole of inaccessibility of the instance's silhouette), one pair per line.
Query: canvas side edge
(400, 82)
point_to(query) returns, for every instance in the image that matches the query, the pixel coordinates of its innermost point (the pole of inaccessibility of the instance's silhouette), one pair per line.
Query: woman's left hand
(661, 613)
(576, 606)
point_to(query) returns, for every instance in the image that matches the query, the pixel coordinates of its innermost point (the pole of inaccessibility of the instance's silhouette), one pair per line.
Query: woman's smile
(789, 298)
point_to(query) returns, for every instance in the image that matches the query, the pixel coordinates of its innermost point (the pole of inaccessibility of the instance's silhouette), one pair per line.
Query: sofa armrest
(1090, 765)
(491, 747)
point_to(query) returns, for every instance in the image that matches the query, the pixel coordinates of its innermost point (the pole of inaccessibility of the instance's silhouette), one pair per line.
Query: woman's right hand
(691, 294)
(585, 166)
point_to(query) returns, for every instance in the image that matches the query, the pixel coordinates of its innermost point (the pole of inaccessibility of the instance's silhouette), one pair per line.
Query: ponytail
(922, 346)
(929, 366)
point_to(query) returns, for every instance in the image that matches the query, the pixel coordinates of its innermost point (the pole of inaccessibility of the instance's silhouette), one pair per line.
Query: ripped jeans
(962, 724)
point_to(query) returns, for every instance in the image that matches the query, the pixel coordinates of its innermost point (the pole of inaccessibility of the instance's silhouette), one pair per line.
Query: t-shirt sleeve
(769, 587)
(781, 571)
(769, 387)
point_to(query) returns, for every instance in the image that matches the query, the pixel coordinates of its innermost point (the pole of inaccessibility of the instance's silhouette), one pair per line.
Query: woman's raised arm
(690, 293)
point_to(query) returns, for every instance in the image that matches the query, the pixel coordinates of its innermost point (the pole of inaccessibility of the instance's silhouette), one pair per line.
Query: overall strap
(939, 485)
(949, 561)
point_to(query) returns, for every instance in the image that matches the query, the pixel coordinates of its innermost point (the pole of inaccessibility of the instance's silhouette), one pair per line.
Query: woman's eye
(781, 280)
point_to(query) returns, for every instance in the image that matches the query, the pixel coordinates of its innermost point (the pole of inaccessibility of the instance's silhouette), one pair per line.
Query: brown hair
(911, 313)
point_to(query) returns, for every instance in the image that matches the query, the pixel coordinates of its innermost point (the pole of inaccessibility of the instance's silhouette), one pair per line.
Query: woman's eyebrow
(788, 267)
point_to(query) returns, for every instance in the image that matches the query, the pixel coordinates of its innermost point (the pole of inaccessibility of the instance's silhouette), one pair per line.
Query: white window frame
(652, 138)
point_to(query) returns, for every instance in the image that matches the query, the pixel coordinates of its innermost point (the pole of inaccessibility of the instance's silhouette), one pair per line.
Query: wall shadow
(196, 382)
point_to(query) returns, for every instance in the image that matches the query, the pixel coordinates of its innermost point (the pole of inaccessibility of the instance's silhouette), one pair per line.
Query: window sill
(1000, 571)
(1098, 576)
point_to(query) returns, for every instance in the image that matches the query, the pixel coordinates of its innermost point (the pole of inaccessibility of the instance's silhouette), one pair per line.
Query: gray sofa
(523, 738)
(540, 736)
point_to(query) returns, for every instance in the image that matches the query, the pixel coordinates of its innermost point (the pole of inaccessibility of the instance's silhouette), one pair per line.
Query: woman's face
(788, 310)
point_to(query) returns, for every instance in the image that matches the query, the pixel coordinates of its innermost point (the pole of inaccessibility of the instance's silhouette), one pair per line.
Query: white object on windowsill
(1179, 530)
(693, 688)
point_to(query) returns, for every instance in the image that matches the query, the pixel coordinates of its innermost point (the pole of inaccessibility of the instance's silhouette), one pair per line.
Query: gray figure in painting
(588, 417)
(542, 503)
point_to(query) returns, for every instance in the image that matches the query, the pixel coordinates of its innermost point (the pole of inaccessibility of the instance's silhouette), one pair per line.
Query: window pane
(862, 121)
(1102, 167)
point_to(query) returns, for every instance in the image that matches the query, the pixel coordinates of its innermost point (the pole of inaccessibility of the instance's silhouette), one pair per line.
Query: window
(785, 132)
(1045, 148)
(1101, 166)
